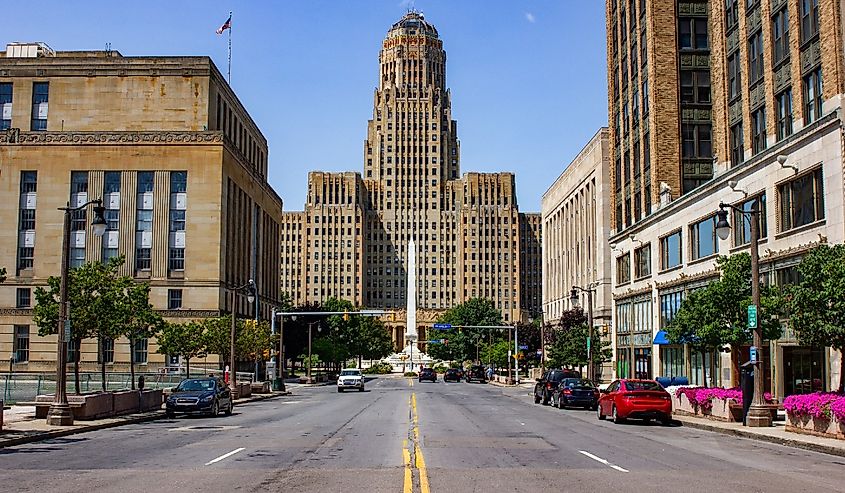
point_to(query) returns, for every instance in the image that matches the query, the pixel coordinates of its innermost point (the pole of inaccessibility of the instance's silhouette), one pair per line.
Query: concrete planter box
(125, 401)
(244, 390)
(260, 387)
(93, 406)
(809, 425)
(722, 410)
(151, 400)
(682, 405)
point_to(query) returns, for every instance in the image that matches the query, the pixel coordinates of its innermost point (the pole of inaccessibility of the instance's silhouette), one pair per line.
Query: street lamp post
(60, 413)
(758, 415)
(573, 296)
(311, 361)
(249, 290)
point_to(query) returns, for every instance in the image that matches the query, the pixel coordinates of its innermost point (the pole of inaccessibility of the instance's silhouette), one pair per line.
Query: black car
(200, 396)
(576, 392)
(549, 382)
(452, 375)
(477, 373)
(428, 374)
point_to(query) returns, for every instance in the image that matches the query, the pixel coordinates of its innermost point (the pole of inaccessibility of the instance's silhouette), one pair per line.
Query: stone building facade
(778, 138)
(352, 238)
(181, 168)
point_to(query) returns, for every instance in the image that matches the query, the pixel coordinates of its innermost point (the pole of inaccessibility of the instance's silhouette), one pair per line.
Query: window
(801, 200)
(21, 343)
(623, 268)
(642, 261)
(140, 350)
(178, 181)
(40, 97)
(145, 181)
(697, 141)
(670, 251)
(24, 298)
(734, 77)
(111, 182)
(5, 105)
(177, 220)
(780, 36)
(144, 220)
(107, 349)
(703, 238)
(784, 109)
(645, 98)
(142, 259)
(755, 57)
(77, 257)
(29, 181)
(174, 299)
(813, 96)
(27, 219)
(758, 131)
(177, 259)
(670, 303)
(742, 224)
(695, 86)
(809, 19)
(731, 14)
(737, 144)
(692, 33)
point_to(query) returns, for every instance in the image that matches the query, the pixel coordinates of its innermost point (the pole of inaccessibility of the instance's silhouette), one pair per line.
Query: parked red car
(637, 399)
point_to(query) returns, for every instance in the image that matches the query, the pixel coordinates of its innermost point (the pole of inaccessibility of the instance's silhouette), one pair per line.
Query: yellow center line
(419, 460)
(406, 457)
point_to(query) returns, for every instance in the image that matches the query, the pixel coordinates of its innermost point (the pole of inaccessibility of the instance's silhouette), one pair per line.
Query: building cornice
(684, 279)
(16, 136)
(630, 293)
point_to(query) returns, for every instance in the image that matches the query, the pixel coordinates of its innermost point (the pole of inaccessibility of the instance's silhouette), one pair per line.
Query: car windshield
(642, 386)
(577, 382)
(556, 376)
(348, 373)
(195, 385)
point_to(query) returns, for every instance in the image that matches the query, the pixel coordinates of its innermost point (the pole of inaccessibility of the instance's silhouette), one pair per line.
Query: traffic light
(445, 342)
(345, 316)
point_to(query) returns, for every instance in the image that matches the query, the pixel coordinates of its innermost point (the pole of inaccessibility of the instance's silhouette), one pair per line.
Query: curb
(788, 442)
(131, 420)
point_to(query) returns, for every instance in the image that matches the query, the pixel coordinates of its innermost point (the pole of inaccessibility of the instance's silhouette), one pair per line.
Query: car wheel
(169, 414)
(666, 420)
(616, 418)
(339, 389)
(599, 413)
(215, 409)
(361, 389)
(536, 398)
(230, 409)
(560, 404)
(546, 398)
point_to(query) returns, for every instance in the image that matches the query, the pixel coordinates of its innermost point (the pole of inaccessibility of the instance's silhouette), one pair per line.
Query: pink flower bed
(703, 396)
(824, 405)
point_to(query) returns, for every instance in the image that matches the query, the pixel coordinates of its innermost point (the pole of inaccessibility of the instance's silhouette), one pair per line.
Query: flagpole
(229, 74)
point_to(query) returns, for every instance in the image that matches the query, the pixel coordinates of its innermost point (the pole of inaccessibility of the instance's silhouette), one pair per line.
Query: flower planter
(151, 400)
(811, 425)
(682, 405)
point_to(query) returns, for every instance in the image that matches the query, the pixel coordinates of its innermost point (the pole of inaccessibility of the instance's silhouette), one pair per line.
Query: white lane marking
(599, 459)
(212, 461)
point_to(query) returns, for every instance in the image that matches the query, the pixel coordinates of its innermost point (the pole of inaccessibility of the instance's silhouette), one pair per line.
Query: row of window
(40, 105)
(801, 202)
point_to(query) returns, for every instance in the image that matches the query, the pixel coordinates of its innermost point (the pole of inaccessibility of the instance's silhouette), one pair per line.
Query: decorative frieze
(15, 136)
(735, 111)
(777, 5)
(733, 41)
(692, 9)
(783, 77)
(694, 61)
(811, 56)
(757, 96)
(755, 20)
(695, 115)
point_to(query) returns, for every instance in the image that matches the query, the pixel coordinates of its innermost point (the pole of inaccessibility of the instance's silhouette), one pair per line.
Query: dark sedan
(452, 375)
(428, 374)
(200, 396)
(477, 373)
(575, 392)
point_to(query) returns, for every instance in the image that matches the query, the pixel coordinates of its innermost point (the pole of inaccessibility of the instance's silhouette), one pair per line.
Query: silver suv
(350, 378)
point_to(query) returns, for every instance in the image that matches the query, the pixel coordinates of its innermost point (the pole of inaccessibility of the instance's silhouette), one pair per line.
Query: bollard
(2, 411)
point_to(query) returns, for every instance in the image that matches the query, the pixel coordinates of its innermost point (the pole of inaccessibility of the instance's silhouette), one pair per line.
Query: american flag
(226, 25)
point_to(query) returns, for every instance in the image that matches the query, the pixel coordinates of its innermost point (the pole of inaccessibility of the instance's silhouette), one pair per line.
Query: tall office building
(659, 103)
(180, 166)
(351, 241)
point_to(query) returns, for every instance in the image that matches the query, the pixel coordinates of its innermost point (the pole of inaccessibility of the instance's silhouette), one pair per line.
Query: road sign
(523, 346)
(443, 326)
(752, 316)
(753, 354)
(588, 343)
(435, 341)
(67, 330)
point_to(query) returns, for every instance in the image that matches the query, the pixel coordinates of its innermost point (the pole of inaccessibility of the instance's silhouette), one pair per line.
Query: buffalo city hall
(351, 240)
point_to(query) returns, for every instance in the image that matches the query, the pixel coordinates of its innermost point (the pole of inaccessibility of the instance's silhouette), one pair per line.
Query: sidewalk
(20, 425)
(775, 434)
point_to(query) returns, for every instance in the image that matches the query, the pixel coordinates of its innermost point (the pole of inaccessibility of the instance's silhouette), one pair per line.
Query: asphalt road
(403, 436)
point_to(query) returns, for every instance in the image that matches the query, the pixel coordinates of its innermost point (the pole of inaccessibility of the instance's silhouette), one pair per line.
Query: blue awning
(661, 338)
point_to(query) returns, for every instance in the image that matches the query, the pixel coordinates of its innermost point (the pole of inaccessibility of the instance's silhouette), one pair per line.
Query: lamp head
(782, 159)
(723, 227)
(99, 223)
(573, 296)
(250, 294)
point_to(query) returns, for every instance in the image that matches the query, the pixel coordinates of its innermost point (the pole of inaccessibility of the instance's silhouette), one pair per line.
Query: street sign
(67, 330)
(753, 354)
(435, 341)
(525, 346)
(443, 326)
(588, 344)
(752, 316)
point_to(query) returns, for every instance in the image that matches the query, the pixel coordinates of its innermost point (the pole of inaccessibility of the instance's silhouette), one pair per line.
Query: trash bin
(747, 386)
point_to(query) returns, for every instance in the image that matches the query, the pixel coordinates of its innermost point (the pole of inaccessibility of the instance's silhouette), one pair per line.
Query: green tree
(817, 303)
(462, 342)
(570, 348)
(184, 339)
(374, 342)
(95, 297)
(137, 319)
(217, 337)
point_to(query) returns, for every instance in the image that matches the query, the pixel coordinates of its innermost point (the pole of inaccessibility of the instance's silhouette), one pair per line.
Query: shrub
(378, 369)
(703, 396)
(410, 373)
(822, 405)
(440, 369)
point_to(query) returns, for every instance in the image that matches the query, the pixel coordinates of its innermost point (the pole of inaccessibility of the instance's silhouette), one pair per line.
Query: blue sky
(527, 77)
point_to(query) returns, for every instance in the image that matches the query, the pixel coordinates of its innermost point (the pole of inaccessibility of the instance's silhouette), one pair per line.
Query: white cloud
(530, 17)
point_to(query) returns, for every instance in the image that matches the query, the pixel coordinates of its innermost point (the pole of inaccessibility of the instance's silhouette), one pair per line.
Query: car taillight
(548, 386)
(567, 391)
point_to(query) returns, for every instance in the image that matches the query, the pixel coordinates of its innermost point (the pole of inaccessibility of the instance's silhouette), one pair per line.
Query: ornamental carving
(778, 4)
(755, 20)
(38, 138)
(695, 114)
(189, 313)
(811, 57)
(757, 96)
(735, 112)
(692, 9)
(694, 61)
(783, 77)
(16, 312)
(733, 42)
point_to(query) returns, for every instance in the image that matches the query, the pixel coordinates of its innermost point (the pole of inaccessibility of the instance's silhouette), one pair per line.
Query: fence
(23, 387)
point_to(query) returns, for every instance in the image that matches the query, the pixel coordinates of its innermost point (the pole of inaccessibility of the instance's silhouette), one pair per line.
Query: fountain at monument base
(408, 360)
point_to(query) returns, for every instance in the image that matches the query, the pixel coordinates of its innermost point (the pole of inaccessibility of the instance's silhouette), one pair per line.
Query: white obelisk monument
(411, 335)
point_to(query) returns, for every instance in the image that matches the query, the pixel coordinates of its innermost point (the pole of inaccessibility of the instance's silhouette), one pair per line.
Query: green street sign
(752, 316)
(588, 343)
